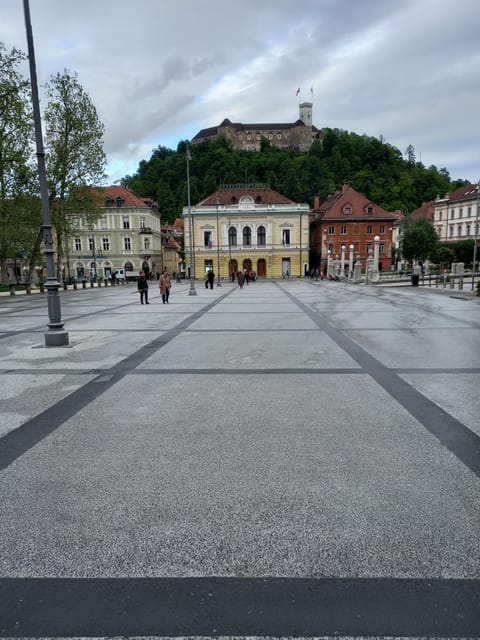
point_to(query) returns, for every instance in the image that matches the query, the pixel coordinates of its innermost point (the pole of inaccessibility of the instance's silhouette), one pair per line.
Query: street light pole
(192, 291)
(476, 231)
(55, 336)
(219, 284)
(230, 271)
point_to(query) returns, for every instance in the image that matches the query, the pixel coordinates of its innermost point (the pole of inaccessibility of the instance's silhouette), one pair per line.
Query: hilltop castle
(291, 135)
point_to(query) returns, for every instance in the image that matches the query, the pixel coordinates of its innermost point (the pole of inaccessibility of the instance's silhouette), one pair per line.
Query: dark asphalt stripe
(17, 442)
(452, 433)
(239, 606)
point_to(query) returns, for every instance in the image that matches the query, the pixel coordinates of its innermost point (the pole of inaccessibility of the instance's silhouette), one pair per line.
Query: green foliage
(461, 251)
(371, 166)
(75, 156)
(17, 177)
(419, 239)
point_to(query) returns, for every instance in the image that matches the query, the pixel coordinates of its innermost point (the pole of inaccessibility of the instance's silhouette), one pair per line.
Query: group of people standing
(164, 283)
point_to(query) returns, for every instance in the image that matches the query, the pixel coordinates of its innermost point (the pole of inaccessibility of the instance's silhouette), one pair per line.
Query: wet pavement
(290, 459)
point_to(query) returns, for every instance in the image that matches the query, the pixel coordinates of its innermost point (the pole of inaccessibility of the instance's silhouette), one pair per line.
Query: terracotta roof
(468, 192)
(425, 212)
(129, 198)
(334, 207)
(229, 196)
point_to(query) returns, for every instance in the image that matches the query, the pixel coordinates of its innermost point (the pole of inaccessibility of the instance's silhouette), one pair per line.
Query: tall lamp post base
(55, 338)
(193, 291)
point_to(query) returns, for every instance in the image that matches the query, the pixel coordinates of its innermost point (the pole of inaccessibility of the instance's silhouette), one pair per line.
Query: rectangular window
(440, 214)
(127, 244)
(459, 230)
(468, 230)
(343, 229)
(146, 244)
(382, 228)
(369, 228)
(91, 244)
(369, 247)
(330, 248)
(450, 231)
(331, 230)
(286, 237)
(469, 211)
(347, 211)
(126, 222)
(381, 248)
(142, 222)
(452, 214)
(208, 265)
(103, 222)
(106, 243)
(207, 239)
(78, 244)
(460, 212)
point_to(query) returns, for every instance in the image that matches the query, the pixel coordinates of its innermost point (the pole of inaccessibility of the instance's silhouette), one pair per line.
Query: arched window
(261, 236)
(232, 237)
(247, 236)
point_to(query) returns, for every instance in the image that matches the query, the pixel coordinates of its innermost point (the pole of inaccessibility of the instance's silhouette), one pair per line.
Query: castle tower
(306, 113)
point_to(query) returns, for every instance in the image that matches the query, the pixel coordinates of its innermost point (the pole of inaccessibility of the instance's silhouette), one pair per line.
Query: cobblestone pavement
(290, 459)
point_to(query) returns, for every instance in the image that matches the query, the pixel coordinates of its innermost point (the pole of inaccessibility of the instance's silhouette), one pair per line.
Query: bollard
(12, 289)
(74, 284)
(42, 287)
(84, 284)
(65, 285)
(91, 284)
(29, 289)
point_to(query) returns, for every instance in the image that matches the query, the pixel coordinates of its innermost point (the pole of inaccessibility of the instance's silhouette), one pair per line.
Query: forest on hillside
(371, 166)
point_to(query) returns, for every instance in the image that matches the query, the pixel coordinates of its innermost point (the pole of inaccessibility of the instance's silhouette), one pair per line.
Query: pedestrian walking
(210, 278)
(142, 287)
(165, 284)
(240, 277)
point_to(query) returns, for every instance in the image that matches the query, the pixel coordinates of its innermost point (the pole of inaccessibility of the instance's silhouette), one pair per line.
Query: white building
(456, 214)
(127, 234)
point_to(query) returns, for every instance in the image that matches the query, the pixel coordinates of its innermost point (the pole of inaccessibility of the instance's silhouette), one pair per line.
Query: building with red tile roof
(349, 219)
(248, 227)
(456, 215)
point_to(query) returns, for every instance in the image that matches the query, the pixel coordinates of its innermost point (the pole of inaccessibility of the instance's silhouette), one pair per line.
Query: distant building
(126, 235)
(248, 227)
(172, 243)
(456, 215)
(349, 218)
(248, 137)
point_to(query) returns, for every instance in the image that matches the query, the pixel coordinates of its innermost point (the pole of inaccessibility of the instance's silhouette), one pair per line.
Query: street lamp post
(192, 291)
(94, 258)
(230, 271)
(55, 336)
(476, 233)
(219, 284)
(350, 262)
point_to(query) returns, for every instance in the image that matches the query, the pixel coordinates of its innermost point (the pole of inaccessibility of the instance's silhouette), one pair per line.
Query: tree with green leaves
(75, 156)
(419, 240)
(18, 215)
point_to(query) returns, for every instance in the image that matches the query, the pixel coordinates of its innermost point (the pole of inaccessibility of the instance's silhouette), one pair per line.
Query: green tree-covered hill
(371, 166)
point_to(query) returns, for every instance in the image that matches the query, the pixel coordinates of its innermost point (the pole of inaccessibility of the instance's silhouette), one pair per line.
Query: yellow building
(247, 227)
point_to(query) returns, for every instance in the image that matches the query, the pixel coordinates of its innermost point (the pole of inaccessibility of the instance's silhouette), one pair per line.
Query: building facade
(248, 137)
(349, 219)
(456, 215)
(126, 235)
(248, 227)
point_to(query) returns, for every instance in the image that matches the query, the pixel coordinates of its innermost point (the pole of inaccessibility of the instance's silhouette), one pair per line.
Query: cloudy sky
(158, 71)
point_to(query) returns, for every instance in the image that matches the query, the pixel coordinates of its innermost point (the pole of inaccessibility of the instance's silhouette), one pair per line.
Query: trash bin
(415, 279)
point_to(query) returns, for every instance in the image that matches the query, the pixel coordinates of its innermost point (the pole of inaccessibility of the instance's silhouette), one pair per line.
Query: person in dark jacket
(142, 286)
(210, 278)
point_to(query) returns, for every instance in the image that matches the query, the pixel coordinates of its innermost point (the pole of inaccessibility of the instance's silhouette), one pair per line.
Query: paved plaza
(294, 458)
